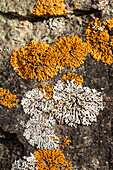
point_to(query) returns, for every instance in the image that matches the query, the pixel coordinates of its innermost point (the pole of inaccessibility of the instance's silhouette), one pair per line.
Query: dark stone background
(92, 146)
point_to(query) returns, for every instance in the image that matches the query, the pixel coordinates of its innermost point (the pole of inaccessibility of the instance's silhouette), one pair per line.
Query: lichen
(70, 52)
(65, 141)
(51, 160)
(70, 76)
(75, 104)
(25, 163)
(49, 7)
(27, 60)
(41, 61)
(76, 4)
(110, 24)
(47, 89)
(7, 98)
(97, 39)
(39, 130)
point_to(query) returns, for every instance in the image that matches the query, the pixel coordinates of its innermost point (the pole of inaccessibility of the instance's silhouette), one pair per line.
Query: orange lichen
(76, 4)
(53, 138)
(26, 59)
(48, 90)
(67, 154)
(65, 141)
(70, 76)
(111, 42)
(30, 61)
(70, 52)
(7, 99)
(41, 61)
(51, 160)
(110, 24)
(49, 7)
(97, 39)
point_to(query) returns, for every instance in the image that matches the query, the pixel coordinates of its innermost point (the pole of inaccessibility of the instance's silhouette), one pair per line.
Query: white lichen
(54, 23)
(38, 131)
(76, 104)
(34, 101)
(26, 163)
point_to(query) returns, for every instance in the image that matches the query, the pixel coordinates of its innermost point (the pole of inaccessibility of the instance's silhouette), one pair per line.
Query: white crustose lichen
(26, 163)
(74, 103)
(38, 131)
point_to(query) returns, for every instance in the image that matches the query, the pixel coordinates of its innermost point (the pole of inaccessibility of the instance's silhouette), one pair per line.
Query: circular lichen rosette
(76, 104)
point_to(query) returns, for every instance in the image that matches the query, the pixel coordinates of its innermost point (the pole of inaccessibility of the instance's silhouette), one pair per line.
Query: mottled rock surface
(92, 146)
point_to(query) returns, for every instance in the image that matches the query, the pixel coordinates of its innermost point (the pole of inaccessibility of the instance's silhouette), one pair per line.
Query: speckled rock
(92, 146)
(21, 7)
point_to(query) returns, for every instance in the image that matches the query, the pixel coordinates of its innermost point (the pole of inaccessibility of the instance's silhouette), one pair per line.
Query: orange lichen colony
(97, 38)
(31, 61)
(70, 76)
(42, 61)
(51, 160)
(70, 52)
(7, 99)
(48, 89)
(110, 24)
(49, 7)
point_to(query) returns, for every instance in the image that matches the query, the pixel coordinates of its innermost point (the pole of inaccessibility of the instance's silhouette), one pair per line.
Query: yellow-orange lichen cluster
(97, 38)
(41, 61)
(48, 90)
(110, 24)
(70, 52)
(54, 160)
(70, 76)
(7, 99)
(49, 7)
(27, 61)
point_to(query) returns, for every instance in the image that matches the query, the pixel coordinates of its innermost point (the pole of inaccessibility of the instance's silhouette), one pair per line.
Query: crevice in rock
(32, 18)
(88, 12)
(14, 147)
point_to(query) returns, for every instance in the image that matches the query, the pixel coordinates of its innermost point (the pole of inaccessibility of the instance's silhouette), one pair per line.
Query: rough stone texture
(20, 7)
(92, 146)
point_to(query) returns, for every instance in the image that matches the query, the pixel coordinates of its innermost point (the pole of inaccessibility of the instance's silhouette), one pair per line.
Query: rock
(91, 146)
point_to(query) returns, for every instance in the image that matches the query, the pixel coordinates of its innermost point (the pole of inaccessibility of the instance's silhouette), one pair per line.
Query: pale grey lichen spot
(38, 131)
(76, 104)
(54, 23)
(25, 163)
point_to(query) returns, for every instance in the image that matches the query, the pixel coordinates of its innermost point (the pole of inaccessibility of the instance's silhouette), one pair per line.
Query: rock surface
(92, 146)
